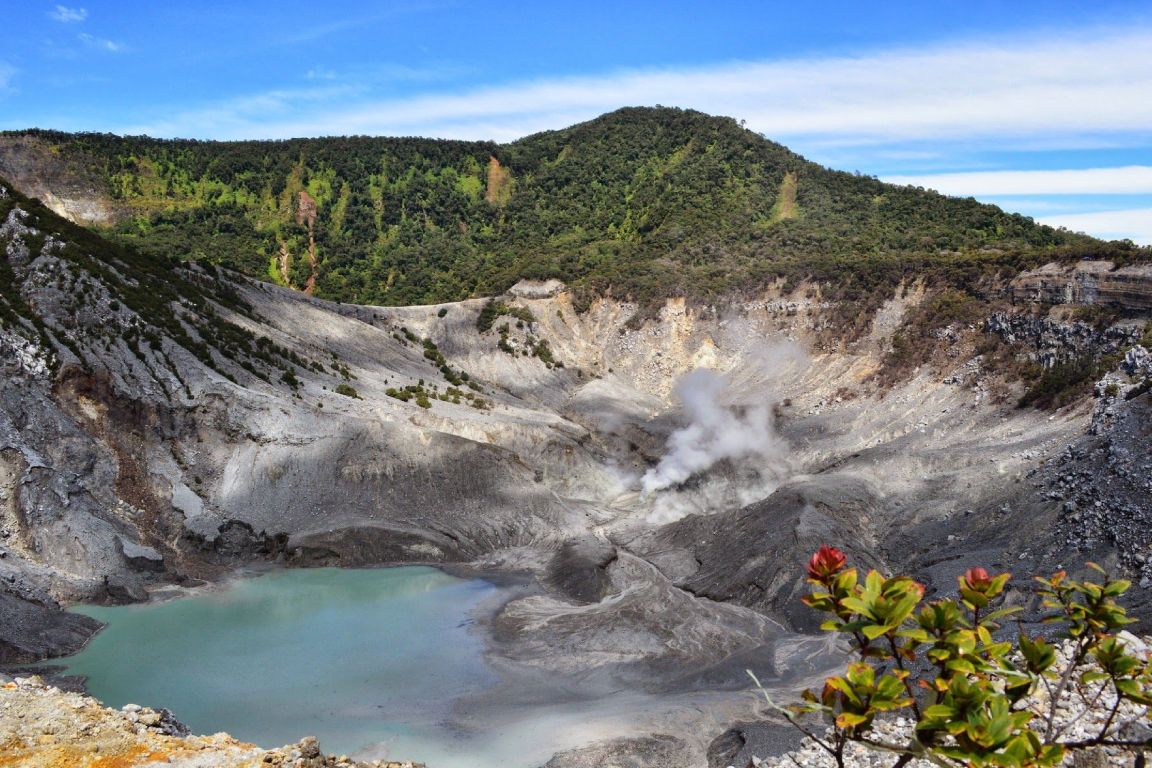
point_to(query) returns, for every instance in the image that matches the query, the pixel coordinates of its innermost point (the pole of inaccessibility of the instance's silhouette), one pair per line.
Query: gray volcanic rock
(652, 635)
(1055, 341)
(579, 568)
(124, 588)
(1103, 484)
(745, 740)
(33, 632)
(755, 556)
(140, 557)
(657, 751)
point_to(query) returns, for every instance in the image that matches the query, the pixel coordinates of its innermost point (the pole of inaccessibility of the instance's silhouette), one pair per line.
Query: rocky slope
(169, 422)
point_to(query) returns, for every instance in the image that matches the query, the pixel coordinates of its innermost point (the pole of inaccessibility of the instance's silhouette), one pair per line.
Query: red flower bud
(977, 579)
(827, 562)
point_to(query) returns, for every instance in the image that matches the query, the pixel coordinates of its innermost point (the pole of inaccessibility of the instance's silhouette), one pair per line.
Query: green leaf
(850, 720)
(1117, 587)
(961, 665)
(1002, 612)
(939, 712)
(859, 605)
(916, 635)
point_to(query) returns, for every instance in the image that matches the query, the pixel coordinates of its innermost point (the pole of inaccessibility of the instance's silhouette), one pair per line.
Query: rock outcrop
(1088, 283)
(63, 184)
(1052, 340)
(33, 631)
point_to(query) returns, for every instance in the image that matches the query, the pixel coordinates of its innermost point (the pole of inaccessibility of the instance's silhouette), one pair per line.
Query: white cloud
(63, 13)
(1071, 89)
(1134, 224)
(1127, 180)
(100, 43)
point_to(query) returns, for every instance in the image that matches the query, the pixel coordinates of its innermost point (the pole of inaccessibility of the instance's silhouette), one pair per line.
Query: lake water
(357, 658)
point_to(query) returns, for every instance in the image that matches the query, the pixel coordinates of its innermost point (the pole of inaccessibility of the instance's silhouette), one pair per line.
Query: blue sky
(1040, 107)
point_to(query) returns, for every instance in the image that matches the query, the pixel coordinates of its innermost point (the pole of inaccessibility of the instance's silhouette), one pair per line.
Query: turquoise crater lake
(357, 658)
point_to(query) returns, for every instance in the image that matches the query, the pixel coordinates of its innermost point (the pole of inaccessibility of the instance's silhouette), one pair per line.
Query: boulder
(140, 557)
(124, 588)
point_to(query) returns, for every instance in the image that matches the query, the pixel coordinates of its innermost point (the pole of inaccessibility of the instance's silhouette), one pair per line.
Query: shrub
(969, 693)
(347, 390)
(494, 309)
(1064, 382)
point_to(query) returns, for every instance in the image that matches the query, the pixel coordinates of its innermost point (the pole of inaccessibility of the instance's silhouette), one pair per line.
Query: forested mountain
(641, 203)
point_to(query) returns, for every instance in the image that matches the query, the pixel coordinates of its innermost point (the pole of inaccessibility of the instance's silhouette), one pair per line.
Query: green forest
(642, 203)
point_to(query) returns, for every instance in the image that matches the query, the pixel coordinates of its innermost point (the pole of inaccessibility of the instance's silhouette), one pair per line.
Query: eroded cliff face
(63, 184)
(1087, 283)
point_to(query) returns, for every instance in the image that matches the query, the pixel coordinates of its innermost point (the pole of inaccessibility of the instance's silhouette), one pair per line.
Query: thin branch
(907, 679)
(1106, 743)
(1065, 679)
(882, 746)
(790, 717)
(1087, 708)
(1111, 716)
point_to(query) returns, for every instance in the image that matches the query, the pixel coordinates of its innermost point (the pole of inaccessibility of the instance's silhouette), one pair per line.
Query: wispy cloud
(66, 15)
(1054, 90)
(100, 43)
(1134, 224)
(311, 31)
(383, 74)
(234, 117)
(1128, 180)
(7, 76)
(320, 73)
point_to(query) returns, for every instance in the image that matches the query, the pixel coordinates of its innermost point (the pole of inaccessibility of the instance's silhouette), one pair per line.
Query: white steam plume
(716, 431)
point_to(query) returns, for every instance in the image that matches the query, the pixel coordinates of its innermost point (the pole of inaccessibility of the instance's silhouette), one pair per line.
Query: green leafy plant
(974, 699)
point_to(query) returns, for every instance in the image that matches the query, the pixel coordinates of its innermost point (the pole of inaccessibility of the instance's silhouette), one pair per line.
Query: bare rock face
(1057, 341)
(537, 289)
(654, 636)
(63, 185)
(1087, 282)
(1103, 482)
